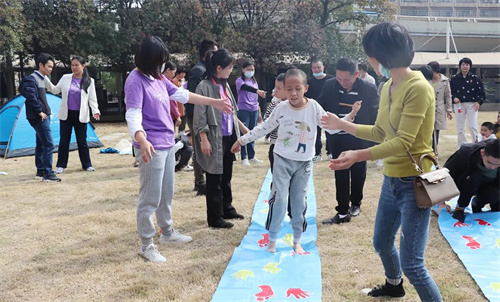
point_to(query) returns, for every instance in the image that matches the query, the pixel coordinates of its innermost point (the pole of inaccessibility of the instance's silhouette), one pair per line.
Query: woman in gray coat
(442, 90)
(216, 132)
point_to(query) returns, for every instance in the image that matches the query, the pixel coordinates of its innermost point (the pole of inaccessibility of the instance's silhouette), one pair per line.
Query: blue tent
(17, 137)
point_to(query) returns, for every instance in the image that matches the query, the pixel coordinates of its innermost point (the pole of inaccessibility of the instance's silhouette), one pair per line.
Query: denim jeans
(44, 145)
(397, 208)
(249, 118)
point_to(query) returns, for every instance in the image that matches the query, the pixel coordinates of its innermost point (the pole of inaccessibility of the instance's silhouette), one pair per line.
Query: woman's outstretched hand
(330, 121)
(345, 160)
(223, 105)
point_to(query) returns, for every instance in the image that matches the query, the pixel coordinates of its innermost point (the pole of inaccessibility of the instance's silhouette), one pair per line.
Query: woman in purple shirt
(248, 104)
(147, 94)
(78, 93)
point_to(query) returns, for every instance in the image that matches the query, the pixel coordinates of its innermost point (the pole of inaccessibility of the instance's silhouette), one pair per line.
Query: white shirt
(369, 79)
(296, 132)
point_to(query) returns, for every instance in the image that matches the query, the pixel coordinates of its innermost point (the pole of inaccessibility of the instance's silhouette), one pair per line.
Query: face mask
(319, 74)
(248, 74)
(384, 71)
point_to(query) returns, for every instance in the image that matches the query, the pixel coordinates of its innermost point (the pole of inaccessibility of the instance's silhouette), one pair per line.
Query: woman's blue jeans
(249, 118)
(397, 208)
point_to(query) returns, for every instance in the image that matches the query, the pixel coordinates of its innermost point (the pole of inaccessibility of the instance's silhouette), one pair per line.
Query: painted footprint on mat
(272, 268)
(242, 274)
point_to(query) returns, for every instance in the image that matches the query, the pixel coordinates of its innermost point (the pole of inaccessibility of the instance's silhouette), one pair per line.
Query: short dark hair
(316, 61)
(151, 55)
(347, 64)
(221, 57)
(390, 44)
(295, 72)
(205, 46)
(492, 148)
(488, 125)
(465, 60)
(169, 65)
(434, 66)
(181, 69)
(426, 71)
(362, 66)
(43, 58)
(281, 77)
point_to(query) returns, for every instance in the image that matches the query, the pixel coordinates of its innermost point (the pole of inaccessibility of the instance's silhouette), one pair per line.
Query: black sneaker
(234, 216)
(355, 210)
(51, 178)
(388, 290)
(202, 190)
(39, 175)
(459, 214)
(337, 220)
(221, 224)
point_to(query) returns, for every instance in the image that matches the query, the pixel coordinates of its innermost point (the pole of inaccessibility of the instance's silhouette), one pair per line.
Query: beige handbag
(432, 187)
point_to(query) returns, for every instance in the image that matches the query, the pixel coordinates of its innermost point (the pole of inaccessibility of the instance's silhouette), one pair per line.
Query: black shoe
(459, 214)
(39, 175)
(388, 290)
(337, 220)
(234, 216)
(201, 191)
(221, 224)
(51, 178)
(475, 207)
(354, 210)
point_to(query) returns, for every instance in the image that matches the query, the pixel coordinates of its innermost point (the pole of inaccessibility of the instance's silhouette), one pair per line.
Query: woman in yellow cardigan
(78, 93)
(405, 122)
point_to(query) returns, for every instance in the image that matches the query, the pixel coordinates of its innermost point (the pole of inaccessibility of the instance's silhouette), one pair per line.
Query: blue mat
(256, 275)
(477, 243)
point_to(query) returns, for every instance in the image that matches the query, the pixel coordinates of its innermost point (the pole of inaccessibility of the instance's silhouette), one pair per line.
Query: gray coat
(209, 119)
(443, 101)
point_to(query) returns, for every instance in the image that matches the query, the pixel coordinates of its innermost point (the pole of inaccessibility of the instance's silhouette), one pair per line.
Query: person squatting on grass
(405, 122)
(297, 119)
(78, 93)
(216, 132)
(147, 95)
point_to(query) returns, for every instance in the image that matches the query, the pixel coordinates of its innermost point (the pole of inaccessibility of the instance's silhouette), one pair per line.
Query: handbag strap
(414, 163)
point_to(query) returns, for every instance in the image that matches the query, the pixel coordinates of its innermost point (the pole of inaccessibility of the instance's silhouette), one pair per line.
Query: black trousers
(349, 183)
(73, 121)
(318, 145)
(219, 196)
(486, 191)
(183, 156)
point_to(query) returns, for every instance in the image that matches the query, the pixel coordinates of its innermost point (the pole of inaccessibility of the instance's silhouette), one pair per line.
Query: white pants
(469, 114)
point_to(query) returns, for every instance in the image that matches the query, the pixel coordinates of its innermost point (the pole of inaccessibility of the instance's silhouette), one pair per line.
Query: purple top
(247, 100)
(75, 94)
(227, 119)
(152, 95)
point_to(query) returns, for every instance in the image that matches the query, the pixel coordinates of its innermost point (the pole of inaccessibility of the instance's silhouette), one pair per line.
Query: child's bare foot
(298, 248)
(271, 248)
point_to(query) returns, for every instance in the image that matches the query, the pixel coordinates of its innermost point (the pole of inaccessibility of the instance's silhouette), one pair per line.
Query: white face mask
(249, 74)
(319, 74)
(384, 71)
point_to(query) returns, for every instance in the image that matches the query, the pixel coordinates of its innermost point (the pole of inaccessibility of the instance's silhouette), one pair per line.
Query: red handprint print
(297, 293)
(265, 201)
(301, 254)
(265, 293)
(460, 224)
(264, 241)
(482, 222)
(472, 243)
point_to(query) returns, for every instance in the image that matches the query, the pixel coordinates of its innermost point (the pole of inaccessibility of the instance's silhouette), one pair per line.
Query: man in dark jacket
(475, 170)
(196, 74)
(338, 96)
(38, 114)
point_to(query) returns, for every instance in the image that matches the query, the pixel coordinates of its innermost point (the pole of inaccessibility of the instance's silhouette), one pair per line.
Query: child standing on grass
(148, 94)
(297, 118)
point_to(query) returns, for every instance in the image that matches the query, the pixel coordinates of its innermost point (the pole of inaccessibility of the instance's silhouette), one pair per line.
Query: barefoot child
(297, 118)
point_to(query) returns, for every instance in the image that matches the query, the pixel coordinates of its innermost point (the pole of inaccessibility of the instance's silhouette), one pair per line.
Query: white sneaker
(330, 157)
(317, 158)
(267, 140)
(151, 254)
(188, 168)
(175, 237)
(255, 160)
(90, 169)
(245, 162)
(59, 170)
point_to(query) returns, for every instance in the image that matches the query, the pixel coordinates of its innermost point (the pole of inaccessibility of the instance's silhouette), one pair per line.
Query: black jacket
(463, 163)
(33, 89)
(196, 74)
(332, 94)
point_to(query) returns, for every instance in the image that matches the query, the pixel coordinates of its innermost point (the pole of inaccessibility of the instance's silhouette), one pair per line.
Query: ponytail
(221, 57)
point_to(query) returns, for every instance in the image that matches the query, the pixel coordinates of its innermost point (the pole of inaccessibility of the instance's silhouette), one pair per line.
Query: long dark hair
(222, 58)
(85, 77)
(245, 64)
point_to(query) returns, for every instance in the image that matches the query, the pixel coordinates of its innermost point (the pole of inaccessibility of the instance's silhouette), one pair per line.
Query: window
(489, 13)
(442, 13)
(466, 13)
(414, 12)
